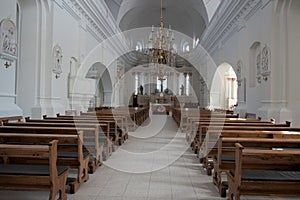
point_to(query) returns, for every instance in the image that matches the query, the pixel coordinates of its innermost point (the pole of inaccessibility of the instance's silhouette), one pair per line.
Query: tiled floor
(154, 164)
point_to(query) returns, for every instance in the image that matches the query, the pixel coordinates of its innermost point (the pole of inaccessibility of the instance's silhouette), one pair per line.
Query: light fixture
(160, 49)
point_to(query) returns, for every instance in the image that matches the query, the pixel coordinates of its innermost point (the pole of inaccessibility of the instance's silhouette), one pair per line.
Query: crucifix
(7, 64)
(161, 83)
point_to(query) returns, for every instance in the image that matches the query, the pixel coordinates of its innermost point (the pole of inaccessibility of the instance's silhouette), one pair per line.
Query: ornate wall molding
(95, 16)
(7, 95)
(230, 17)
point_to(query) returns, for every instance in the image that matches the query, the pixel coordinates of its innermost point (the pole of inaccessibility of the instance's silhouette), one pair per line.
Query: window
(187, 83)
(186, 47)
(136, 83)
(138, 46)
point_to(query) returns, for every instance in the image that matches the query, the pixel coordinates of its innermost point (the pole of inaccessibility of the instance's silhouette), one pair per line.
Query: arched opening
(185, 47)
(223, 94)
(103, 87)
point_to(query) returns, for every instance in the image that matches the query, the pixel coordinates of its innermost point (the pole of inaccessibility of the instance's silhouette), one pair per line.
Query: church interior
(149, 99)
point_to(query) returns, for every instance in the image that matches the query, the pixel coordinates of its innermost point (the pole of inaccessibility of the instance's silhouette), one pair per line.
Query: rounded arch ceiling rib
(179, 14)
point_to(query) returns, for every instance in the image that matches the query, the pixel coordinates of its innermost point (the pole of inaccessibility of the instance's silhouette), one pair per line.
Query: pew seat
(264, 172)
(27, 176)
(70, 152)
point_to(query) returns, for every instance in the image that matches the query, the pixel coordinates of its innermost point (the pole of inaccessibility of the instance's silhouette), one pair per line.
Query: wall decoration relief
(119, 73)
(265, 62)
(258, 68)
(239, 72)
(8, 41)
(57, 61)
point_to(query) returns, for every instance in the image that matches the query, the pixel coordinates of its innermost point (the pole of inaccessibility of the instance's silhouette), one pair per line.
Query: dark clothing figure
(141, 89)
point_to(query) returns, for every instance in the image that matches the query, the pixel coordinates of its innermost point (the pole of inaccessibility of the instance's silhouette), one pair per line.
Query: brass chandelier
(160, 49)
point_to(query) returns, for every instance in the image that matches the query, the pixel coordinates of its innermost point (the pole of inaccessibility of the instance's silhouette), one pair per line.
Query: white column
(170, 81)
(185, 85)
(276, 105)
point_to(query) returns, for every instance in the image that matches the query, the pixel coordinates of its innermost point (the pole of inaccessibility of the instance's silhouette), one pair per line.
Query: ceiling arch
(189, 16)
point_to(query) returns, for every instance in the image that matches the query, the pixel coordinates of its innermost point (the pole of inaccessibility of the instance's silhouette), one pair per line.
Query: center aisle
(154, 163)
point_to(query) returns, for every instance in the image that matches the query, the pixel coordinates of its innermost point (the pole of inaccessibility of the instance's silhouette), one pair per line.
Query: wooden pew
(135, 116)
(79, 160)
(94, 141)
(27, 176)
(193, 120)
(113, 133)
(264, 172)
(203, 127)
(185, 123)
(125, 117)
(109, 135)
(226, 151)
(195, 124)
(12, 118)
(117, 123)
(208, 148)
(181, 116)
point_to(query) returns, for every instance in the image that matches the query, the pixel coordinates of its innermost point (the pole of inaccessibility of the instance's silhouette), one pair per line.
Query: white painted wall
(268, 26)
(45, 24)
(293, 68)
(66, 34)
(275, 24)
(8, 96)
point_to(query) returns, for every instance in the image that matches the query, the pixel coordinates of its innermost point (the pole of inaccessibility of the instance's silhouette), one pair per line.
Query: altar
(161, 108)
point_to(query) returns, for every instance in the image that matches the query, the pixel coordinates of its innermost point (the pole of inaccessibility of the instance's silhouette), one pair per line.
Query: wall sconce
(7, 64)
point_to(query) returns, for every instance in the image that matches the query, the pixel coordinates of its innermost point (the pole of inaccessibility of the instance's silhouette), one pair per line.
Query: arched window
(187, 83)
(186, 47)
(138, 46)
(195, 42)
(136, 83)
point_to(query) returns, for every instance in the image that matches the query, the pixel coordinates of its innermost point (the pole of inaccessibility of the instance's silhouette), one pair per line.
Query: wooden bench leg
(222, 190)
(92, 167)
(60, 188)
(82, 176)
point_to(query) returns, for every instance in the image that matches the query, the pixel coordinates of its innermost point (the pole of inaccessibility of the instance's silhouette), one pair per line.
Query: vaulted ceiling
(190, 17)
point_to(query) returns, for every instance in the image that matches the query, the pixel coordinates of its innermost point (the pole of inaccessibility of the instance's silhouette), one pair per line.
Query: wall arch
(254, 64)
(103, 85)
(223, 93)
